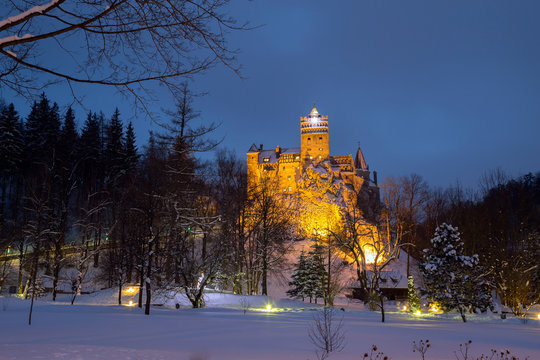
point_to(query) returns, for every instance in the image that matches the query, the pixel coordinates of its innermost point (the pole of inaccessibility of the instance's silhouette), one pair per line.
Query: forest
(160, 217)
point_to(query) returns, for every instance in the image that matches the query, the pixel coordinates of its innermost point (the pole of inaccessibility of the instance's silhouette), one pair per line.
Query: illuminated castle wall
(312, 174)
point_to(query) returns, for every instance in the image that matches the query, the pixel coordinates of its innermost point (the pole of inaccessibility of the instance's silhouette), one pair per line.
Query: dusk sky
(447, 90)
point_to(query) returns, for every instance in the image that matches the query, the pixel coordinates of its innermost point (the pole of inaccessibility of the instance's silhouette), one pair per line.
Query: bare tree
(326, 333)
(89, 246)
(120, 43)
(270, 232)
(372, 247)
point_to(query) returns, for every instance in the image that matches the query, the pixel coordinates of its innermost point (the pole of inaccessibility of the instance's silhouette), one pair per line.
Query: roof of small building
(273, 156)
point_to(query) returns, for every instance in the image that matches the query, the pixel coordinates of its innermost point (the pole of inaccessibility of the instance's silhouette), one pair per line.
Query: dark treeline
(500, 222)
(73, 200)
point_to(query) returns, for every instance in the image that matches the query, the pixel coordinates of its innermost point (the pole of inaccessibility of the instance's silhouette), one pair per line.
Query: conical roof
(314, 112)
(359, 161)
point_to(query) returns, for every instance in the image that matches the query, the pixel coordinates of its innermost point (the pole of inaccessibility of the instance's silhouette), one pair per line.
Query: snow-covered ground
(95, 328)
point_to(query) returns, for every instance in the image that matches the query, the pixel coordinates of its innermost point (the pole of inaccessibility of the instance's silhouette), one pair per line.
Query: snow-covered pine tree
(37, 288)
(316, 272)
(453, 279)
(298, 276)
(414, 299)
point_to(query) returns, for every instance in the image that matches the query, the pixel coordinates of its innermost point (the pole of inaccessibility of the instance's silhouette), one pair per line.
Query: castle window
(290, 188)
(297, 157)
(266, 159)
(320, 149)
(320, 137)
(288, 178)
(284, 168)
(284, 189)
(309, 138)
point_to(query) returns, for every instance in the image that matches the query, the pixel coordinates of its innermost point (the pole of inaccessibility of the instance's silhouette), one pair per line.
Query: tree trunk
(147, 280)
(119, 292)
(141, 286)
(56, 272)
(462, 313)
(35, 270)
(382, 307)
(20, 279)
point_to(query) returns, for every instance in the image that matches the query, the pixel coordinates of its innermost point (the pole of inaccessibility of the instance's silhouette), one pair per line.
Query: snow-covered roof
(273, 157)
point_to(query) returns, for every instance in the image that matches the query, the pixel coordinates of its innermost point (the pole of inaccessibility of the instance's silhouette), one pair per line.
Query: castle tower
(314, 142)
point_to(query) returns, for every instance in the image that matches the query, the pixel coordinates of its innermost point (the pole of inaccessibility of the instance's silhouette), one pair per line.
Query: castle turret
(314, 141)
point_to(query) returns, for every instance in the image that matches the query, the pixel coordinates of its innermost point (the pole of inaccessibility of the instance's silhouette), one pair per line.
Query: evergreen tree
(114, 148)
(11, 140)
(89, 152)
(414, 299)
(65, 184)
(453, 279)
(11, 152)
(68, 140)
(131, 156)
(299, 278)
(317, 272)
(41, 132)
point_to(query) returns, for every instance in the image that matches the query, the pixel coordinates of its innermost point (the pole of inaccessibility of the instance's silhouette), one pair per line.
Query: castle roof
(253, 149)
(314, 112)
(273, 157)
(359, 161)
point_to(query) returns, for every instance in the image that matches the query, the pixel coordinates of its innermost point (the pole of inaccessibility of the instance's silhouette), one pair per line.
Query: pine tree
(11, 141)
(11, 151)
(299, 277)
(316, 273)
(453, 279)
(41, 132)
(68, 140)
(89, 152)
(114, 149)
(414, 299)
(131, 156)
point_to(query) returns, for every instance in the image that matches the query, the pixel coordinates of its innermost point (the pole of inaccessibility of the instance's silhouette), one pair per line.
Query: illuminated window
(290, 188)
(266, 159)
(320, 149)
(297, 157)
(288, 178)
(284, 189)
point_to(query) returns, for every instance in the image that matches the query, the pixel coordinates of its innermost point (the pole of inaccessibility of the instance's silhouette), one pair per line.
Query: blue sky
(447, 90)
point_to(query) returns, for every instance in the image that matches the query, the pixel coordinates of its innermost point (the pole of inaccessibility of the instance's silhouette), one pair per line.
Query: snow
(94, 328)
(38, 9)
(13, 38)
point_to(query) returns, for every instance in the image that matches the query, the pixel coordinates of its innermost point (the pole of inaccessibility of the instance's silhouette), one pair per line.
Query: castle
(311, 173)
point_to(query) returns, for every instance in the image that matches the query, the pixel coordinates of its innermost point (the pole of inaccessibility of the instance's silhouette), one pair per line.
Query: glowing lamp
(130, 290)
(130, 302)
(268, 307)
(538, 316)
(404, 308)
(418, 312)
